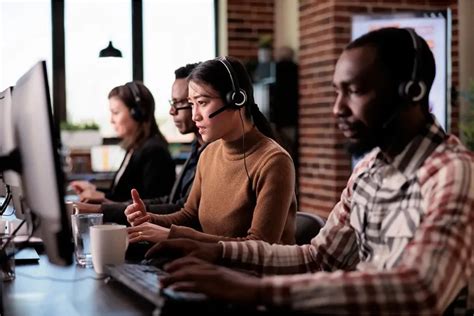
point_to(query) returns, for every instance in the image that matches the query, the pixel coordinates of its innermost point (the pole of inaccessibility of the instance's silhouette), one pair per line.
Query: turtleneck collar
(233, 150)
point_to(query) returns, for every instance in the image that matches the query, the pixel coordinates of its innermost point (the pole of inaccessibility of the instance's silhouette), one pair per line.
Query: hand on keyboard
(145, 281)
(158, 262)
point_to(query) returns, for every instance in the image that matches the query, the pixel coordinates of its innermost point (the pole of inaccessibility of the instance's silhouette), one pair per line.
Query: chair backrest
(307, 227)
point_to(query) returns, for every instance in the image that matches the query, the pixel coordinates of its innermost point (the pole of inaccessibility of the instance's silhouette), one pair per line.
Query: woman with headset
(244, 186)
(147, 165)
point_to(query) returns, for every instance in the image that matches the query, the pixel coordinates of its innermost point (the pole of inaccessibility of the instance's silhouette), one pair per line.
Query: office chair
(307, 226)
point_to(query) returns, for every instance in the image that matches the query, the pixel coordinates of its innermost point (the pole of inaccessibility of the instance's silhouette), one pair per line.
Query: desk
(102, 180)
(29, 294)
(37, 290)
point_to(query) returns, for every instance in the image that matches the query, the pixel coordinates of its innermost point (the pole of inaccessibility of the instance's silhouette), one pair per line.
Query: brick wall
(325, 27)
(247, 21)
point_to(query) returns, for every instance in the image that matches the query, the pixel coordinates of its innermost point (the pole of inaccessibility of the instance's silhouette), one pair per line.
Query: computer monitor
(5, 108)
(9, 177)
(7, 138)
(42, 178)
(7, 144)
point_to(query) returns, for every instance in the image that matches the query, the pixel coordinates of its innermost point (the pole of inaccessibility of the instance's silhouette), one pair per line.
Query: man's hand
(210, 252)
(136, 212)
(194, 275)
(92, 196)
(87, 208)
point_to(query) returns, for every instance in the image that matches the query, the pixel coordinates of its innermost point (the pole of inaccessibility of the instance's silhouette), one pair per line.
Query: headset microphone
(222, 109)
(391, 118)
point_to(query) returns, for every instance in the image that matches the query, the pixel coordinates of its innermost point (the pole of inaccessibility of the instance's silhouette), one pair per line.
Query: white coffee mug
(108, 245)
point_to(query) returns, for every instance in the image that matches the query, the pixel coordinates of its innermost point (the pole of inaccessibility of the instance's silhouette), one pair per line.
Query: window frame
(58, 51)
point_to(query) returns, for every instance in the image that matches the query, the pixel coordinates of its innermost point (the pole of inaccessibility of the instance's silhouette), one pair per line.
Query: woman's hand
(147, 232)
(80, 186)
(92, 196)
(136, 212)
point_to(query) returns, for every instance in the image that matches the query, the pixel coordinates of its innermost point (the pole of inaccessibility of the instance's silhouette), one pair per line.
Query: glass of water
(7, 259)
(80, 232)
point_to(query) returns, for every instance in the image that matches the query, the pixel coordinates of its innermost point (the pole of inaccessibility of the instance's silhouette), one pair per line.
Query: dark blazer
(113, 212)
(151, 171)
(182, 185)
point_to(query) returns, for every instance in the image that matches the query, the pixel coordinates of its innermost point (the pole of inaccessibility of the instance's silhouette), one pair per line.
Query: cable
(62, 280)
(19, 246)
(243, 146)
(10, 238)
(7, 200)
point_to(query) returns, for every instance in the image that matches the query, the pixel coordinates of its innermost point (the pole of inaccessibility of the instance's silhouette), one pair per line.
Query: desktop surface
(102, 180)
(47, 289)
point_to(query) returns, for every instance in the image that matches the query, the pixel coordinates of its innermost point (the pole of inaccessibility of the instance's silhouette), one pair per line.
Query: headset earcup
(230, 99)
(412, 90)
(236, 100)
(401, 90)
(136, 114)
(240, 98)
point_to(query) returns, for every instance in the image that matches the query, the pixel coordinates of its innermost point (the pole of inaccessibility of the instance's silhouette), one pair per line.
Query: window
(175, 33)
(89, 26)
(25, 33)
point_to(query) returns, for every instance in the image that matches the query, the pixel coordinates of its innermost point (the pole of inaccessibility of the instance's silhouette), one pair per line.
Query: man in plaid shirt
(400, 240)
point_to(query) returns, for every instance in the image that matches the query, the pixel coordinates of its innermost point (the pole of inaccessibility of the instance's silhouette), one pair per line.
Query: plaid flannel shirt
(399, 241)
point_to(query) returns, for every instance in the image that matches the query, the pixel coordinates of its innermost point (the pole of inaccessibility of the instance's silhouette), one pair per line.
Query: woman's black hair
(147, 126)
(215, 74)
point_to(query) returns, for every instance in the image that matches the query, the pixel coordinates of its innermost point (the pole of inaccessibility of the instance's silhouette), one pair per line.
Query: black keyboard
(144, 280)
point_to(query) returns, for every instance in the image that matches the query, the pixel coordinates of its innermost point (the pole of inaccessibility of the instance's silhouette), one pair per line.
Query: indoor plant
(81, 135)
(467, 119)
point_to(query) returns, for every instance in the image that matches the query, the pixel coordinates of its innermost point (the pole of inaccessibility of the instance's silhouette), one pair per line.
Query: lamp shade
(110, 51)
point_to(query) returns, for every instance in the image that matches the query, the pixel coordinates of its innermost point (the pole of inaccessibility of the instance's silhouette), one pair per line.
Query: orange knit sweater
(223, 205)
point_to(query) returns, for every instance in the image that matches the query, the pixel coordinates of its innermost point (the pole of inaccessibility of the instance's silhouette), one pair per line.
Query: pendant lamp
(110, 51)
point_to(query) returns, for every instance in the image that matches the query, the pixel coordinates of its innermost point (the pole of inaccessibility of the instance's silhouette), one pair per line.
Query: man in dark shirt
(180, 110)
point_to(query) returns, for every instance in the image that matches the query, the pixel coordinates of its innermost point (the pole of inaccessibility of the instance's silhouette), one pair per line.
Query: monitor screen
(5, 101)
(7, 144)
(7, 139)
(41, 176)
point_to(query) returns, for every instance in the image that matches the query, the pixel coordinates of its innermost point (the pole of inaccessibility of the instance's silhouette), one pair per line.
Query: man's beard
(360, 148)
(375, 137)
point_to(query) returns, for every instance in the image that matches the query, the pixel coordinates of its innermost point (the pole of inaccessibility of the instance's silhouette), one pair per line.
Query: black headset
(237, 97)
(135, 110)
(414, 89)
